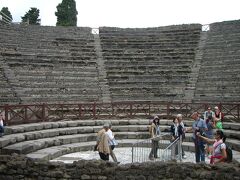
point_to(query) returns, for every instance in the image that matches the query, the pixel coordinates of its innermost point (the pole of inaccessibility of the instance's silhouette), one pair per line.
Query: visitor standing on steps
(182, 131)
(219, 147)
(198, 125)
(154, 132)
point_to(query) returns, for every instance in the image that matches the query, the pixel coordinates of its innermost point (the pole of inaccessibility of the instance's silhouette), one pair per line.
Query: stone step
(38, 133)
(57, 151)
(82, 123)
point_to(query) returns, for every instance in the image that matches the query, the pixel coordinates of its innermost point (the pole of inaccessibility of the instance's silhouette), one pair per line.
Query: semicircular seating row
(50, 140)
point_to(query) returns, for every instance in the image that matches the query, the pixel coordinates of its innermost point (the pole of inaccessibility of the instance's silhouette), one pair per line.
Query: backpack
(229, 154)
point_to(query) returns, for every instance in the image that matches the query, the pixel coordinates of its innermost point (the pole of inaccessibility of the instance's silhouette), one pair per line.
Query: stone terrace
(219, 75)
(70, 65)
(149, 63)
(50, 140)
(49, 64)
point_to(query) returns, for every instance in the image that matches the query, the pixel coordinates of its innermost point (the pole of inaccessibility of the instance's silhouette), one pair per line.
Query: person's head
(175, 120)
(209, 109)
(220, 135)
(195, 116)
(216, 108)
(1, 115)
(106, 126)
(156, 120)
(179, 117)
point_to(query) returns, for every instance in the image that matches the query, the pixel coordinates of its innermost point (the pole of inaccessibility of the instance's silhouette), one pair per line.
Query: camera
(201, 132)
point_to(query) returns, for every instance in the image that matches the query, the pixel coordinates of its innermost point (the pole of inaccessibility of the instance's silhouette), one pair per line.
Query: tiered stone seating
(7, 95)
(51, 64)
(219, 77)
(149, 63)
(50, 140)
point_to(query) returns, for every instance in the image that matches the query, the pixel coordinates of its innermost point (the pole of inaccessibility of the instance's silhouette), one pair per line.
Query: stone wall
(18, 167)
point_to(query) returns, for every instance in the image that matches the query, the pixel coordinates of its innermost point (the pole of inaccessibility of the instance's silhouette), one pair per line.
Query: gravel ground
(124, 156)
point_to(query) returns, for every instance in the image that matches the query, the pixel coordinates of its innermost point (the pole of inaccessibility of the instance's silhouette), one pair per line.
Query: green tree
(66, 13)
(6, 12)
(32, 16)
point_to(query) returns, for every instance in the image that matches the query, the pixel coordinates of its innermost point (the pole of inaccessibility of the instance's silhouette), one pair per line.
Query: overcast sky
(132, 13)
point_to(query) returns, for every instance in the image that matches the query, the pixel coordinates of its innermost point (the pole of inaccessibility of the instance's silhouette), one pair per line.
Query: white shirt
(110, 134)
(181, 123)
(1, 122)
(218, 149)
(112, 140)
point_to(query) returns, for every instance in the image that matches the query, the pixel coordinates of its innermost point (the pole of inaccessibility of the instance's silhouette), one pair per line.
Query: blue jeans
(1, 130)
(154, 149)
(199, 151)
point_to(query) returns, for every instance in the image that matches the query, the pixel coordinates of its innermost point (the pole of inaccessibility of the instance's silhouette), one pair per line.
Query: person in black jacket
(182, 131)
(177, 129)
(174, 135)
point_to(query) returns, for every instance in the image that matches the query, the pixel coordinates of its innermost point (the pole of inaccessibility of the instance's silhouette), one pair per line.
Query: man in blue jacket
(198, 125)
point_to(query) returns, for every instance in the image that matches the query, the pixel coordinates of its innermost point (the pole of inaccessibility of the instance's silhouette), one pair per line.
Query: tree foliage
(66, 13)
(6, 12)
(32, 16)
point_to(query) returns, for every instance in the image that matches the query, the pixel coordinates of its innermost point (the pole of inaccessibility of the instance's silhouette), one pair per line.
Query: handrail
(172, 148)
(145, 140)
(141, 149)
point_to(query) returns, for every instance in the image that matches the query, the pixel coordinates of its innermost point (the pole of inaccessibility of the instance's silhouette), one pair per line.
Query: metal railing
(165, 150)
(173, 151)
(149, 149)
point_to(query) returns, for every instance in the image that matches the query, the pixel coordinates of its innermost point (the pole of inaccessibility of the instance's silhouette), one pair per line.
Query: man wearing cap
(102, 143)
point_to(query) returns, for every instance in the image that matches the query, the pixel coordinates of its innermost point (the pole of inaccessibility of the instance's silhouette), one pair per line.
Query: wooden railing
(19, 114)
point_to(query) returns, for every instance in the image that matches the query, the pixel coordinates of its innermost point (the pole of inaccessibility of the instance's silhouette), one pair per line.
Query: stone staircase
(193, 76)
(102, 72)
(219, 75)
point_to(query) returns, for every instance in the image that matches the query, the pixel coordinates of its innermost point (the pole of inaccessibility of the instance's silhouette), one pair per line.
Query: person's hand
(198, 134)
